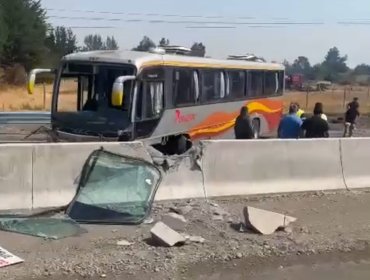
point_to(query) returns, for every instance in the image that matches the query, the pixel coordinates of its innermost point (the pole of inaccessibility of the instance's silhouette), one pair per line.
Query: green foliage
(3, 28)
(26, 28)
(198, 49)
(362, 69)
(331, 69)
(164, 42)
(111, 44)
(94, 42)
(145, 45)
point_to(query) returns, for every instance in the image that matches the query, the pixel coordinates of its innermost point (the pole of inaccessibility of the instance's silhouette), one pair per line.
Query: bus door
(149, 103)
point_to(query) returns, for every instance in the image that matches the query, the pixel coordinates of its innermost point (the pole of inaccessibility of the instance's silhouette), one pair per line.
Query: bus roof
(147, 59)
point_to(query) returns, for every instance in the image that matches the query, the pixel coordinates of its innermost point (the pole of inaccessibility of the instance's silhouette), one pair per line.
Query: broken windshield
(114, 189)
(88, 87)
(45, 227)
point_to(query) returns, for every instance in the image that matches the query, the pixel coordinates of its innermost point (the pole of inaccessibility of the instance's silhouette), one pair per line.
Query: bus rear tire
(256, 127)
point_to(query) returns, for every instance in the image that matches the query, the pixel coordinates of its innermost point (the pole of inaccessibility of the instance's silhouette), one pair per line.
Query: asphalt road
(28, 133)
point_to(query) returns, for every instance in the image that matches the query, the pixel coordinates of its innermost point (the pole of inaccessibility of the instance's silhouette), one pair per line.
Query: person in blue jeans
(290, 125)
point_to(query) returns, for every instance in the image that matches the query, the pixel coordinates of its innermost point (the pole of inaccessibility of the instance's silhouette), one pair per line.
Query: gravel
(326, 222)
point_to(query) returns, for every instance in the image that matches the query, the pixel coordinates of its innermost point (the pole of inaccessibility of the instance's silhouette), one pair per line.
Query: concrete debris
(175, 221)
(197, 239)
(163, 235)
(265, 222)
(217, 210)
(148, 221)
(217, 218)
(288, 230)
(124, 243)
(181, 210)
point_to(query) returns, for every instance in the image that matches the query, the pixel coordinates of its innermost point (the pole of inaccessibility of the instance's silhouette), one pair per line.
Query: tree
(96, 43)
(362, 69)
(302, 66)
(111, 44)
(3, 29)
(198, 49)
(164, 42)
(61, 41)
(26, 27)
(145, 45)
(93, 43)
(335, 64)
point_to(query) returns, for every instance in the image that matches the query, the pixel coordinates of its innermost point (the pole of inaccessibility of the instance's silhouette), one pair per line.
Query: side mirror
(32, 78)
(118, 93)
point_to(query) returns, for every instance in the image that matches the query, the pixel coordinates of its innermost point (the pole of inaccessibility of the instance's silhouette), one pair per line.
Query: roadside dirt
(327, 222)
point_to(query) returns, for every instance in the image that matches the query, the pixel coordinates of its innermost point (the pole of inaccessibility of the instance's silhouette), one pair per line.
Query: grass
(334, 100)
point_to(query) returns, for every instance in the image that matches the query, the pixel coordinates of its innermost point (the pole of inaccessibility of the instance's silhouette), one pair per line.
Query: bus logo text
(184, 118)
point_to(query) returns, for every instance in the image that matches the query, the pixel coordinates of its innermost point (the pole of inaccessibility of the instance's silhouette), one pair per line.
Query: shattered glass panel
(48, 228)
(115, 189)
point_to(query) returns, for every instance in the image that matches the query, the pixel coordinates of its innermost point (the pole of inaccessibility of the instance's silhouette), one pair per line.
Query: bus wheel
(256, 126)
(182, 144)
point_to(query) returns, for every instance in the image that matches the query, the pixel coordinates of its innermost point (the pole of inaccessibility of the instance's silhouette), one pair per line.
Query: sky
(243, 26)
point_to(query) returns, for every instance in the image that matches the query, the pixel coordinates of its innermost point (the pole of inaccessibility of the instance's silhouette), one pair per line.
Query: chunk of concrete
(175, 221)
(265, 222)
(124, 243)
(181, 210)
(196, 239)
(163, 235)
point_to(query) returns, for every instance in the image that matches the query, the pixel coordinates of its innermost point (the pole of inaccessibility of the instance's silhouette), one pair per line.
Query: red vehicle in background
(294, 82)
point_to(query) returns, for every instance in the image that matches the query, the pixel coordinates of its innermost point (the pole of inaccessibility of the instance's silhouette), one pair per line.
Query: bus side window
(213, 85)
(196, 85)
(271, 83)
(281, 77)
(185, 87)
(256, 83)
(150, 101)
(236, 81)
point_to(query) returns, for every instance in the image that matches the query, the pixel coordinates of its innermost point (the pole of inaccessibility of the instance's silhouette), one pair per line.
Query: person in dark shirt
(243, 128)
(351, 116)
(316, 126)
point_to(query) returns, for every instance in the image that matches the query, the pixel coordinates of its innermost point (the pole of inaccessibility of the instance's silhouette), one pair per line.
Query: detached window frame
(100, 212)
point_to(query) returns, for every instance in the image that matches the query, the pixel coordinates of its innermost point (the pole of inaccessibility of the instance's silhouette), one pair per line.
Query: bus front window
(87, 87)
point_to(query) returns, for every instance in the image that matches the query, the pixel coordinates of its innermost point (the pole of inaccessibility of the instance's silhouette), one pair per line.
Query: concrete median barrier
(356, 159)
(182, 181)
(57, 168)
(271, 166)
(15, 177)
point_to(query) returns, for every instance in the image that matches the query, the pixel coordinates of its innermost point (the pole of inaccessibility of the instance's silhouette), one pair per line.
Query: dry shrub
(15, 75)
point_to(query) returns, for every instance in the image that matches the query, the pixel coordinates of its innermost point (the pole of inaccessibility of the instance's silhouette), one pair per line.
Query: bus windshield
(88, 87)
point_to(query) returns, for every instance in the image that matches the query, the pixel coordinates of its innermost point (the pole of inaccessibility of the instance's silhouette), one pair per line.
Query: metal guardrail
(8, 118)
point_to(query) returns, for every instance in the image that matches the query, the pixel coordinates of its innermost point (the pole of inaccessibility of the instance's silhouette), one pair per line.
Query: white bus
(167, 100)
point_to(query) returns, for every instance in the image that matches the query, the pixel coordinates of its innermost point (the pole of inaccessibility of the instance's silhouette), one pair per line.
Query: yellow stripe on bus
(210, 65)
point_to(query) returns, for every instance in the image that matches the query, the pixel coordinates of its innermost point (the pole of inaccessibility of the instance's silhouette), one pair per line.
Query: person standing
(316, 126)
(243, 127)
(351, 116)
(290, 125)
(300, 112)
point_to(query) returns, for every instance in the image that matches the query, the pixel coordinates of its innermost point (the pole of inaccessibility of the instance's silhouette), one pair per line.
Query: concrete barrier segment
(233, 167)
(355, 154)
(16, 176)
